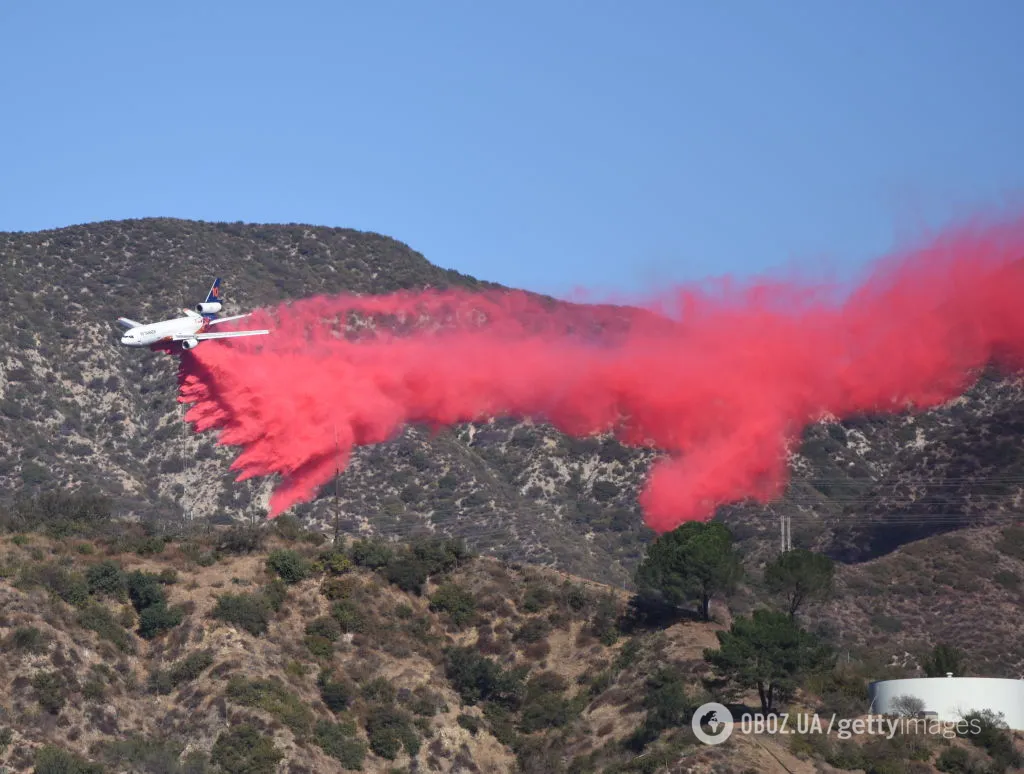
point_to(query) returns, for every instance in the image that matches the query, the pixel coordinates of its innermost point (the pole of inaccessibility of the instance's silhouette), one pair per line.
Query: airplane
(187, 331)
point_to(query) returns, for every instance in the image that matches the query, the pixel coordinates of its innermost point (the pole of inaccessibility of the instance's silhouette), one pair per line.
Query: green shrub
(183, 671)
(628, 654)
(842, 690)
(314, 538)
(242, 539)
(389, 729)
(544, 705)
(100, 620)
(408, 573)
(533, 630)
(604, 623)
(275, 593)
(333, 562)
(371, 554)
(319, 647)
(1012, 542)
(243, 749)
(478, 678)
(71, 587)
(667, 703)
(157, 619)
(51, 690)
(336, 694)
(577, 599)
(249, 612)
(289, 565)
(105, 579)
(94, 689)
(457, 602)
(62, 513)
(28, 638)
(349, 617)
(379, 690)
(501, 723)
(536, 597)
(426, 702)
(546, 711)
(441, 554)
(148, 597)
(469, 723)
(942, 660)
(337, 588)
(1007, 579)
(338, 742)
(54, 760)
(424, 558)
(326, 627)
(993, 736)
(151, 545)
(955, 760)
(152, 755)
(271, 695)
(288, 527)
(144, 589)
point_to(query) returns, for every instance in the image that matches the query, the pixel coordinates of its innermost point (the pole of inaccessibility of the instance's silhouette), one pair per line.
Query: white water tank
(950, 698)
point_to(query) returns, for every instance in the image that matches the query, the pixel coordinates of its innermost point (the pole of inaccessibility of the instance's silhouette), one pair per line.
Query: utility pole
(786, 532)
(186, 512)
(337, 497)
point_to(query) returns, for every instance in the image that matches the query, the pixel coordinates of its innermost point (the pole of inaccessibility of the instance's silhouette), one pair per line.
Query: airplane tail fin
(213, 303)
(213, 297)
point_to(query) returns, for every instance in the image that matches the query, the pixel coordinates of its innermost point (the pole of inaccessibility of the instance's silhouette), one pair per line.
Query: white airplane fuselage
(165, 330)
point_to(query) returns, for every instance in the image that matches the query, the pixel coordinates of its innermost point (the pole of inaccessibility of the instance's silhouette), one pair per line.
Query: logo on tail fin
(214, 294)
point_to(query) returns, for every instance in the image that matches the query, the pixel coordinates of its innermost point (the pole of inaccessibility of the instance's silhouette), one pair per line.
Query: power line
(894, 520)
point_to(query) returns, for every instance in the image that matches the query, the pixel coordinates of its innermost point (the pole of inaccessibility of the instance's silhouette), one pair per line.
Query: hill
(246, 651)
(964, 589)
(76, 410)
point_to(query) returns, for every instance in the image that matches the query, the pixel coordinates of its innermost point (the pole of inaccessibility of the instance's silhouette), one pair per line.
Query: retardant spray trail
(722, 381)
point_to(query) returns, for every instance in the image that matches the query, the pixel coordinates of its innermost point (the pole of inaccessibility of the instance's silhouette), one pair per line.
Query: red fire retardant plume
(722, 381)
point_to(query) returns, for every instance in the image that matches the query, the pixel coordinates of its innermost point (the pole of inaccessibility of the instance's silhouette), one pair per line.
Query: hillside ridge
(77, 410)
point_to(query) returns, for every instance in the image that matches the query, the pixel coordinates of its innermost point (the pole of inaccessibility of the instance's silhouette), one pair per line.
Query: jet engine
(211, 308)
(191, 343)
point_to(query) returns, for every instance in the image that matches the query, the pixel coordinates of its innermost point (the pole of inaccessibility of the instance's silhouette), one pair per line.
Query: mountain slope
(75, 408)
(212, 653)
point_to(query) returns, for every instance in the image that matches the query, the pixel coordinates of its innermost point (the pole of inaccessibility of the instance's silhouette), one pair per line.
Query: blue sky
(605, 145)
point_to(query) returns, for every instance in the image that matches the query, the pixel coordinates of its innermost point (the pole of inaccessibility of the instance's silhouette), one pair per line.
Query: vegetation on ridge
(365, 656)
(226, 647)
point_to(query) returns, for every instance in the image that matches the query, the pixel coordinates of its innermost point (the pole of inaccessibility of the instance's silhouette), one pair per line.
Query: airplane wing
(224, 335)
(125, 322)
(225, 319)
